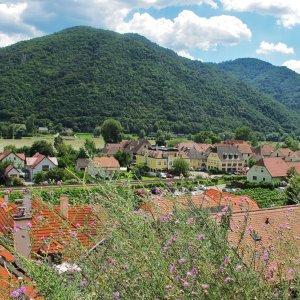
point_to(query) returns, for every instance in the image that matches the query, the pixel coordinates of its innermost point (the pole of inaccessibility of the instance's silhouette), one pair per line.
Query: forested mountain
(279, 82)
(81, 76)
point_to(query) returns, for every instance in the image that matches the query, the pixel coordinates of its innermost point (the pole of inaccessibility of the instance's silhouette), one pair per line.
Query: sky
(206, 30)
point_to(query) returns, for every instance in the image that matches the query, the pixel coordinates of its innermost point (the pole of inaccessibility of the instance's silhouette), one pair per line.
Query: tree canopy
(111, 131)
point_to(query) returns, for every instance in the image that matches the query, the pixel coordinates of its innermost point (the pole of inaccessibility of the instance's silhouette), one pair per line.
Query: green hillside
(81, 76)
(279, 82)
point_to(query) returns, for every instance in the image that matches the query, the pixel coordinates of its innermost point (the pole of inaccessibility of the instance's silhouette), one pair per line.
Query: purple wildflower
(28, 225)
(181, 261)
(224, 209)
(22, 289)
(227, 260)
(125, 267)
(186, 284)
(83, 283)
(172, 268)
(266, 256)
(238, 268)
(73, 234)
(194, 271)
(38, 262)
(39, 218)
(116, 295)
(113, 263)
(228, 279)
(221, 268)
(190, 221)
(201, 237)
(15, 294)
(204, 286)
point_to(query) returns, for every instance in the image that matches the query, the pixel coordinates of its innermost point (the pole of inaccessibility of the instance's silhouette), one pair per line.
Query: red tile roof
(276, 166)
(106, 162)
(162, 206)
(271, 235)
(90, 220)
(12, 278)
(49, 231)
(37, 158)
(7, 152)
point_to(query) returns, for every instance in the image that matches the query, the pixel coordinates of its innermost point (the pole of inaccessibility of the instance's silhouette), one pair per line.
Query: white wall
(39, 167)
(16, 161)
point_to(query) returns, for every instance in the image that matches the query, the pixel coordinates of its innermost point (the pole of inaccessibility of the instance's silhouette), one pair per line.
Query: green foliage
(42, 147)
(82, 153)
(111, 131)
(174, 142)
(278, 82)
(265, 197)
(293, 190)
(243, 133)
(291, 143)
(97, 131)
(90, 147)
(180, 166)
(182, 255)
(161, 137)
(58, 141)
(207, 137)
(123, 158)
(132, 80)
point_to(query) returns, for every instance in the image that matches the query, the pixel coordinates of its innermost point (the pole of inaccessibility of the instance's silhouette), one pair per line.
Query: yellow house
(225, 158)
(158, 158)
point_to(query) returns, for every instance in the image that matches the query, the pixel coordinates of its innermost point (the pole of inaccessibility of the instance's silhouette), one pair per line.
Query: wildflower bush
(181, 255)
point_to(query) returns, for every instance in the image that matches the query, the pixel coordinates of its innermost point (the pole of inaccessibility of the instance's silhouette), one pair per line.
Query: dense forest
(280, 82)
(81, 76)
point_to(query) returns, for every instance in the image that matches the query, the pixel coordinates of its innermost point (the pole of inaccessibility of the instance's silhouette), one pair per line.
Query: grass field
(75, 142)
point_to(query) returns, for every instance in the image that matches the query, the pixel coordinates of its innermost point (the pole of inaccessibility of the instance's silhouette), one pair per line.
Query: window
(254, 177)
(262, 170)
(264, 179)
(45, 168)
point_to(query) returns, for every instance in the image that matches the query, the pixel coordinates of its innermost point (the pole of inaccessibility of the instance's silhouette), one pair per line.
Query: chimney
(22, 223)
(5, 198)
(64, 205)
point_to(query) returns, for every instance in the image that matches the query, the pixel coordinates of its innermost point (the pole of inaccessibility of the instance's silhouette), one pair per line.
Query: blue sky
(209, 30)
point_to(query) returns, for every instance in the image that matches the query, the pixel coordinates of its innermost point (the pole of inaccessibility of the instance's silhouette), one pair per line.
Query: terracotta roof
(12, 277)
(87, 219)
(285, 152)
(106, 162)
(213, 199)
(270, 235)
(49, 231)
(9, 168)
(295, 165)
(7, 152)
(265, 150)
(276, 166)
(111, 149)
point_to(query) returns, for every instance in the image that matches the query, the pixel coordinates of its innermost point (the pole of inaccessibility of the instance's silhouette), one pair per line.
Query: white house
(11, 171)
(17, 160)
(39, 162)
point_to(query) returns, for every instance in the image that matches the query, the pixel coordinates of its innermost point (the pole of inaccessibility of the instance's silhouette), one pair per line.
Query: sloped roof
(9, 168)
(7, 152)
(285, 152)
(37, 158)
(265, 150)
(272, 230)
(295, 165)
(111, 149)
(215, 200)
(49, 231)
(87, 219)
(276, 166)
(106, 162)
(82, 162)
(10, 277)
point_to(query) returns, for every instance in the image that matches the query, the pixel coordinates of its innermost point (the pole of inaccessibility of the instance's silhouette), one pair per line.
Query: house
(43, 130)
(104, 166)
(12, 277)
(225, 158)
(16, 159)
(244, 147)
(159, 158)
(39, 162)
(130, 146)
(263, 151)
(82, 164)
(215, 201)
(282, 152)
(268, 169)
(294, 157)
(196, 153)
(271, 236)
(11, 171)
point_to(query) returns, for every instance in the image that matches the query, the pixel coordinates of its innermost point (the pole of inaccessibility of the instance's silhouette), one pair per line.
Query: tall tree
(42, 147)
(111, 131)
(243, 133)
(90, 147)
(180, 166)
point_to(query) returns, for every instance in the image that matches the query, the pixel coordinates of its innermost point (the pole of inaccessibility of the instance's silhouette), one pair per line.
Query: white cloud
(186, 54)
(293, 65)
(286, 11)
(267, 48)
(12, 26)
(189, 31)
